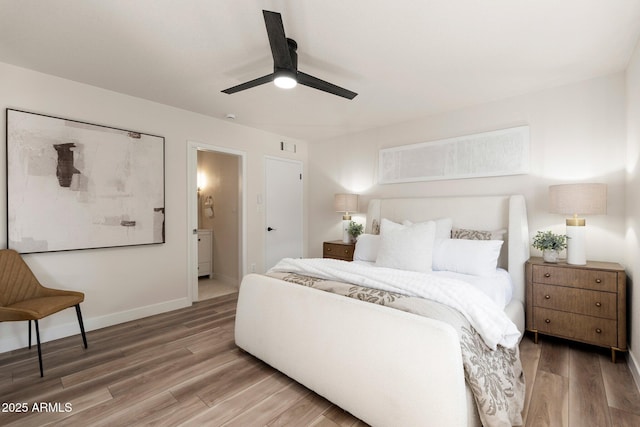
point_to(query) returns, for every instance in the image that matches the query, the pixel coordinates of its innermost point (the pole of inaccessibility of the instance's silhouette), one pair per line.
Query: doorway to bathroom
(217, 218)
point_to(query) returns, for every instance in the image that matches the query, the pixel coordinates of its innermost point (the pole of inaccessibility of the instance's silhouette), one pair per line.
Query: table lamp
(577, 199)
(345, 203)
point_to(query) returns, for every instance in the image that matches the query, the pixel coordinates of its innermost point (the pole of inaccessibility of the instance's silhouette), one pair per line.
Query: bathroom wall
(219, 210)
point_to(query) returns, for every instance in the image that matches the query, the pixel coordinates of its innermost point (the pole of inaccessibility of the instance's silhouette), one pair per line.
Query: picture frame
(74, 185)
(488, 154)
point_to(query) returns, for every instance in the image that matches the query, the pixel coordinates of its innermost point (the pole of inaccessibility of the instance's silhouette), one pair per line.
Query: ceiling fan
(285, 64)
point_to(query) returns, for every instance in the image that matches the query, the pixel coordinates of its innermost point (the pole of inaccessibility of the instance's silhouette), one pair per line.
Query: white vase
(550, 255)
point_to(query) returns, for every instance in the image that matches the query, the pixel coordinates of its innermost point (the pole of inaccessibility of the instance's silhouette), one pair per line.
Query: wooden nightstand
(586, 303)
(336, 249)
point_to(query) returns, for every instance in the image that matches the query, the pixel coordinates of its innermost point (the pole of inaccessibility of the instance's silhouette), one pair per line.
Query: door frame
(192, 212)
(302, 201)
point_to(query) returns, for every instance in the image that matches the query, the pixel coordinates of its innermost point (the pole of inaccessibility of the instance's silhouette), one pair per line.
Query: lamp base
(346, 238)
(576, 247)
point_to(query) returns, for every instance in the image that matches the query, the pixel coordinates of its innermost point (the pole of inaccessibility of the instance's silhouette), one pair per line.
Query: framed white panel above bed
(495, 153)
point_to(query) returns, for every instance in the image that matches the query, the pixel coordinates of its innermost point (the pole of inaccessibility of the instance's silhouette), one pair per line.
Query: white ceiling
(406, 59)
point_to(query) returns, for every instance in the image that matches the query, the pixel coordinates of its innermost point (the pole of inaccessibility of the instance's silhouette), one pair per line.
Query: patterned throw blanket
(493, 325)
(494, 376)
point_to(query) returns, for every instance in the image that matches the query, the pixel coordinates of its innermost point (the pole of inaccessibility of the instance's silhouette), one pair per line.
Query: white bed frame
(385, 366)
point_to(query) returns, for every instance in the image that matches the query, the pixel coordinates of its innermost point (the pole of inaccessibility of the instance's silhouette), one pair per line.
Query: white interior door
(283, 210)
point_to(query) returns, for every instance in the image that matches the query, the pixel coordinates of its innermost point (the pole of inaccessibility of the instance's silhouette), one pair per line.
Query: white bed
(385, 366)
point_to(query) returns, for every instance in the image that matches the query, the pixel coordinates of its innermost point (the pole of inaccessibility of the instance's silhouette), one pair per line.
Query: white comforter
(491, 323)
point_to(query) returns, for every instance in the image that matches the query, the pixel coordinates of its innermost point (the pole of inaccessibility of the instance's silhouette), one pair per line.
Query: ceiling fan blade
(316, 83)
(248, 85)
(277, 40)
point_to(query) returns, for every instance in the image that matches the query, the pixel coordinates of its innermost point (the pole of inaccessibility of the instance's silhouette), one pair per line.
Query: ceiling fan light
(285, 80)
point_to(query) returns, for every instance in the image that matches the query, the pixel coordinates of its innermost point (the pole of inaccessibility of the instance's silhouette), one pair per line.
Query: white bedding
(498, 287)
(484, 315)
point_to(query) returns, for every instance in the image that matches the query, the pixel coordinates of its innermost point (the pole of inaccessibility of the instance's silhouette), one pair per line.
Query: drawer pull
(547, 320)
(328, 249)
(346, 251)
(598, 281)
(598, 331)
(547, 297)
(547, 274)
(598, 304)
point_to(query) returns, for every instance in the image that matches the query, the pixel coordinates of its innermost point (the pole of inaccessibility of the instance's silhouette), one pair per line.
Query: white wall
(577, 134)
(130, 282)
(633, 205)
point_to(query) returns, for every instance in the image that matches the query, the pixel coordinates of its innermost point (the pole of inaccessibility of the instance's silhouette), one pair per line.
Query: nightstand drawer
(587, 329)
(596, 331)
(338, 251)
(553, 322)
(580, 301)
(578, 278)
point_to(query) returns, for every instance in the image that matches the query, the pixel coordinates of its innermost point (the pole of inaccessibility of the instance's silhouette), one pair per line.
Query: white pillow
(388, 225)
(367, 247)
(443, 227)
(475, 257)
(406, 247)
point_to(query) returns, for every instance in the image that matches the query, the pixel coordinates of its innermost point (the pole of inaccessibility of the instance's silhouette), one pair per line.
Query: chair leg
(29, 334)
(84, 336)
(39, 350)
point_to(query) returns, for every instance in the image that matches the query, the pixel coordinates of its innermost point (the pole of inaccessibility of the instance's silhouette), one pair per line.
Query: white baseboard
(633, 367)
(17, 334)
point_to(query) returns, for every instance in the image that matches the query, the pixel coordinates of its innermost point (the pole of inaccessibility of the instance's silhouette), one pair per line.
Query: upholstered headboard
(490, 213)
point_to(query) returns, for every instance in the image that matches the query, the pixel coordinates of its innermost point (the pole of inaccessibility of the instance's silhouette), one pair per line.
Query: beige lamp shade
(345, 203)
(578, 199)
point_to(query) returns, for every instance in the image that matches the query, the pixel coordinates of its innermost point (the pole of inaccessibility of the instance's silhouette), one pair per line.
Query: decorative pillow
(387, 225)
(443, 227)
(463, 233)
(367, 247)
(475, 257)
(375, 227)
(406, 247)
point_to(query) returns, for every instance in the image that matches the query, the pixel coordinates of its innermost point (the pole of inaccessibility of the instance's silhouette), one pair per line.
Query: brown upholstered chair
(22, 297)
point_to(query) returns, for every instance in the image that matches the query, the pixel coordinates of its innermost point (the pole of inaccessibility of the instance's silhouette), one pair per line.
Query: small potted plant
(355, 230)
(550, 244)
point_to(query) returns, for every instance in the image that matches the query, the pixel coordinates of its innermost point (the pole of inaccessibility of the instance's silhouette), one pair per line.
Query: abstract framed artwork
(74, 185)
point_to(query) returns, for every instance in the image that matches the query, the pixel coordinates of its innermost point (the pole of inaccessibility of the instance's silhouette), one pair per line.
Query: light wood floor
(212, 288)
(182, 368)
